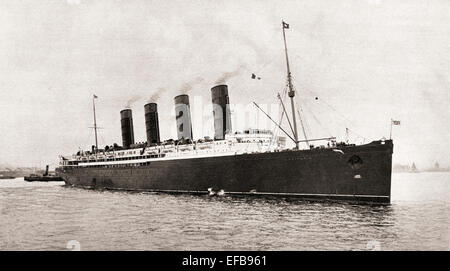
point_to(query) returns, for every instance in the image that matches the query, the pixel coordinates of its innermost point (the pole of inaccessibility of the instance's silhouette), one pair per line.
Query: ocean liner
(252, 162)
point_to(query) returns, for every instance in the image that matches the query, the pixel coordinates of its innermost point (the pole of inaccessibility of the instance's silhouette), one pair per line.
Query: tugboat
(6, 177)
(46, 177)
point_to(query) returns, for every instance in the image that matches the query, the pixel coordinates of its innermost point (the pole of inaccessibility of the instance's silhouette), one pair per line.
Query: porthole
(355, 162)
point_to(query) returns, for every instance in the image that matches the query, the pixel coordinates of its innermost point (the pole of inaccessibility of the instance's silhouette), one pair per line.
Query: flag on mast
(255, 77)
(393, 122)
(285, 25)
(95, 96)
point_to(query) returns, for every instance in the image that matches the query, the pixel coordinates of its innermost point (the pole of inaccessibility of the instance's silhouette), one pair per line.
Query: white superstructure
(248, 141)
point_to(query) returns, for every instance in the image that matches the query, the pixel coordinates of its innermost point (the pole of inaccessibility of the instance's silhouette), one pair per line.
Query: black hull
(7, 177)
(352, 173)
(43, 179)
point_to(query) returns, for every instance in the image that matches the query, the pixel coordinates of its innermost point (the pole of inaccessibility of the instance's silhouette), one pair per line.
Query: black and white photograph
(207, 125)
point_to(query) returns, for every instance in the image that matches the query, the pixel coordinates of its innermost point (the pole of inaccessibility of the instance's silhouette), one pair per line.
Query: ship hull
(43, 179)
(351, 173)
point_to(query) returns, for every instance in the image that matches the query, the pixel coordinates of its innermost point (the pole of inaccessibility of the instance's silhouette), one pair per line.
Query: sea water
(52, 216)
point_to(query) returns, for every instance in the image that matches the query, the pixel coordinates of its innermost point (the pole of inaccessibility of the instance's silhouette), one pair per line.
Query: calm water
(49, 216)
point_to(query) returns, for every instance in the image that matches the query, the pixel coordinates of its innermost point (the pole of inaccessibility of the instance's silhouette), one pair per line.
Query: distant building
(401, 168)
(437, 168)
(405, 168)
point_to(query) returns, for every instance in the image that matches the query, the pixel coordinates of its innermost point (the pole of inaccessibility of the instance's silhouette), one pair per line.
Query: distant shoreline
(422, 171)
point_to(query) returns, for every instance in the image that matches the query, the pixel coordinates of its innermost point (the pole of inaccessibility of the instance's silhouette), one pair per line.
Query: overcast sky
(365, 61)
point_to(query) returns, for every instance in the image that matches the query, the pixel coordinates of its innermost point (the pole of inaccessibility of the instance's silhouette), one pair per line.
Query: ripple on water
(44, 216)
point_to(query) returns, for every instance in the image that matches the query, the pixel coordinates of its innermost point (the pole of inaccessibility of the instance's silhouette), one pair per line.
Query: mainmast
(291, 92)
(95, 122)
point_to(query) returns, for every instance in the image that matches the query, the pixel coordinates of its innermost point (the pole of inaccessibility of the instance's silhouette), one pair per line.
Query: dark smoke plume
(228, 75)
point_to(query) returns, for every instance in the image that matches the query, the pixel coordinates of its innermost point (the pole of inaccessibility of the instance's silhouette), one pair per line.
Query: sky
(355, 64)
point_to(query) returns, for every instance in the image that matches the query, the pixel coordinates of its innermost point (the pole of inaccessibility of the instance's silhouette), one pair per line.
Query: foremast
(291, 92)
(95, 122)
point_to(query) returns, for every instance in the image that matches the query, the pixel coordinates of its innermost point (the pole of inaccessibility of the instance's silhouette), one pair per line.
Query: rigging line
(333, 109)
(279, 106)
(308, 129)
(284, 97)
(275, 130)
(284, 110)
(274, 122)
(88, 139)
(305, 122)
(356, 133)
(344, 118)
(284, 91)
(318, 121)
(303, 128)
(104, 141)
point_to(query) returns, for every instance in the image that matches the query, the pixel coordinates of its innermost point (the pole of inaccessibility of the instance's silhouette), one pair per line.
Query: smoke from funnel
(132, 100)
(155, 96)
(228, 75)
(186, 87)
